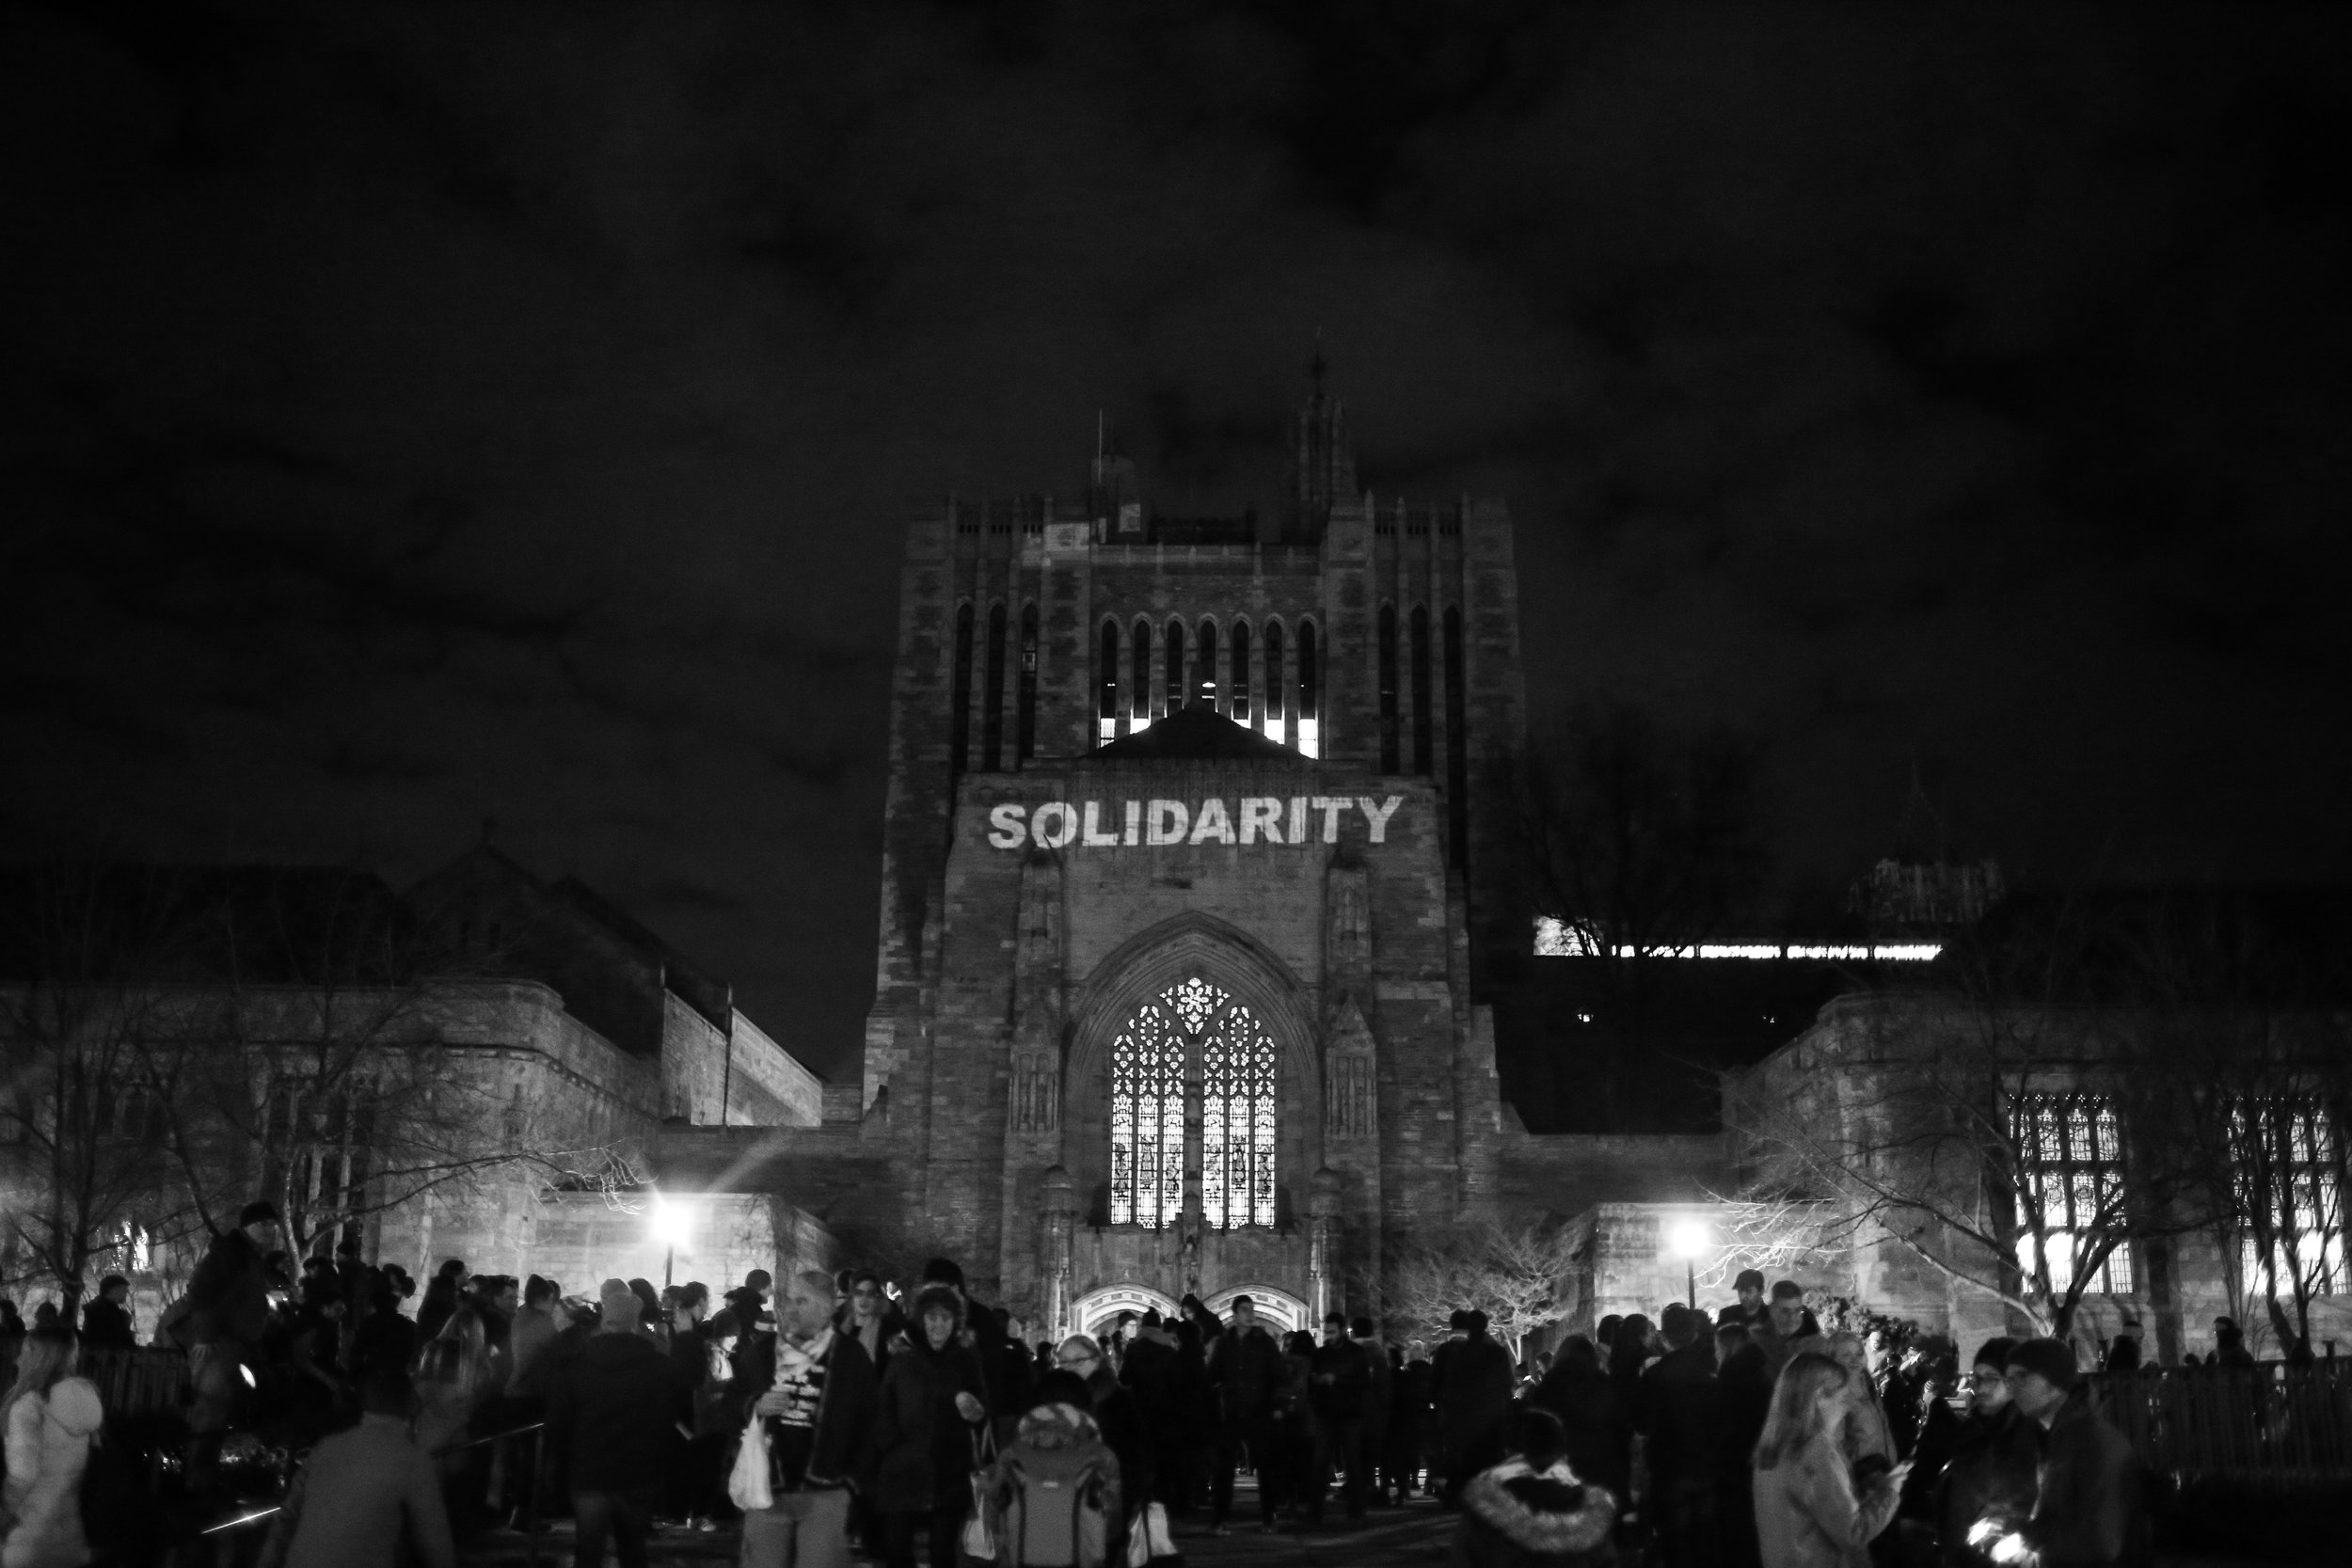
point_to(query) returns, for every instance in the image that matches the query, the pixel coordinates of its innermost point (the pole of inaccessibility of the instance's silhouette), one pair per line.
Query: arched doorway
(1097, 1311)
(1278, 1310)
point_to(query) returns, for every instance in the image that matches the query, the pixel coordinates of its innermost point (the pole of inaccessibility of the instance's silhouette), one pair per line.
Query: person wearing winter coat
(1676, 1416)
(221, 1319)
(818, 1415)
(1994, 1453)
(1119, 1417)
(933, 1409)
(1534, 1508)
(1475, 1385)
(2087, 1509)
(1599, 1429)
(1339, 1385)
(1244, 1367)
(1378, 1400)
(1809, 1513)
(367, 1498)
(606, 1419)
(50, 1418)
(1743, 1402)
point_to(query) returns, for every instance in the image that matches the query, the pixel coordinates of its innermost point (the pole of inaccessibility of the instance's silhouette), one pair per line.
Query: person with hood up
(1532, 1508)
(367, 1496)
(933, 1409)
(1477, 1384)
(606, 1419)
(1809, 1513)
(50, 1417)
(1057, 1444)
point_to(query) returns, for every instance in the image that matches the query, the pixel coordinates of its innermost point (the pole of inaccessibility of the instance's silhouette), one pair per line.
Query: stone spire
(1322, 465)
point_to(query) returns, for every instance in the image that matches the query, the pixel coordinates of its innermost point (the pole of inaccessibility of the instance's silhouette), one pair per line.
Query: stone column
(1322, 1220)
(1060, 1219)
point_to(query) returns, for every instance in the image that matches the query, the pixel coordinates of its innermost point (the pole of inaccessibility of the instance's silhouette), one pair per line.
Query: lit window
(2071, 1153)
(2286, 1162)
(1193, 1022)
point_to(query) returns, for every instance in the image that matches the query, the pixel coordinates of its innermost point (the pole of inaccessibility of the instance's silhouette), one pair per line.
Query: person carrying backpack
(1052, 1496)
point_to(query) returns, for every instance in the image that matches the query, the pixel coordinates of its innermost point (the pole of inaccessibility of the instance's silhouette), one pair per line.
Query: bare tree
(79, 1119)
(1641, 841)
(1771, 1234)
(1520, 1273)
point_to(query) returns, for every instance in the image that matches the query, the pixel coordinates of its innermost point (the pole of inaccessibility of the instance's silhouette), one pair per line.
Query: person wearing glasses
(1990, 1472)
(1120, 1420)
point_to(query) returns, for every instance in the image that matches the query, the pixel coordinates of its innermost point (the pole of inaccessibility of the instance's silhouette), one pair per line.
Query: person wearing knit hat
(2087, 1508)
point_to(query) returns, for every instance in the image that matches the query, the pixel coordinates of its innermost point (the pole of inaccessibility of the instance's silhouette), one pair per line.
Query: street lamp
(1687, 1238)
(673, 1227)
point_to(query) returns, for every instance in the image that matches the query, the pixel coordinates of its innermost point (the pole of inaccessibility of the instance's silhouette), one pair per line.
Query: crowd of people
(845, 1417)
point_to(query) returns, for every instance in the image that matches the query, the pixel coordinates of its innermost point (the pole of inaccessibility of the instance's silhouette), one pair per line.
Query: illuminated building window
(2287, 1166)
(1107, 676)
(1240, 682)
(1175, 676)
(1275, 683)
(1388, 760)
(1025, 731)
(1205, 684)
(1189, 1023)
(1423, 715)
(2069, 1150)
(992, 697)
(960, 697)
(1148, 1119)
(1309, 694)
(1139, 678)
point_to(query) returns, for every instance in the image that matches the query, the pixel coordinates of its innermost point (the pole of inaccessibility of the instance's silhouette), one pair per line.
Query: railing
(2270, 1426)
(130, 1381)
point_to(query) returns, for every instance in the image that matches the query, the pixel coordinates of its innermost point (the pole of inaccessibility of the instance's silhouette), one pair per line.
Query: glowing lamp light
(1687, 1238)
(673, 1222)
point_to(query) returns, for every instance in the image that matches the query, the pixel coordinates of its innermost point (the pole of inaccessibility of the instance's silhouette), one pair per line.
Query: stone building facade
(1189, 873)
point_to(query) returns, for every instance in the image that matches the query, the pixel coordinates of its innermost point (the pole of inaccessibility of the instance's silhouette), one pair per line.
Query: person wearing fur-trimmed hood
(1530, 1510)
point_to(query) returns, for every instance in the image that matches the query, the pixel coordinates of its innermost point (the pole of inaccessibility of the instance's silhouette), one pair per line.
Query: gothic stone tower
(1189, 856)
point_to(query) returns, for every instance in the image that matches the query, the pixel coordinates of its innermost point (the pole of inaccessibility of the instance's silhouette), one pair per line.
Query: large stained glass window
(1193, 1021)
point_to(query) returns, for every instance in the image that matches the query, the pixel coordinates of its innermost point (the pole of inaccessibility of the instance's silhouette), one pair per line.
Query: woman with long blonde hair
(1809, 1511)
(455, 1376)
(51, 1419)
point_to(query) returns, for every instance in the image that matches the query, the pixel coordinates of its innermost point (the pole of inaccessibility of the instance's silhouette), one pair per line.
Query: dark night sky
(416, 414)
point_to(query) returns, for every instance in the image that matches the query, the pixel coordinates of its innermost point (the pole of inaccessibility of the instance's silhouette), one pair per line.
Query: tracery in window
(2071, 1150)
(1148, 1118)
(2285, 1162)
(1188, 1022)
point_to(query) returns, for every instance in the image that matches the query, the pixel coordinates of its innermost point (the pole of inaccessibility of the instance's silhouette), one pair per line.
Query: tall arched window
(1024, 724)
(1422, 716)
(1240, 682)
(1456, 739)
(1387, 688)
(1175, 666)
(1309, 694)
(959, 695)
(1139, 676)
(1107, 674)
(1274, 683)
(1194, 1024)
(1204, 683)
(992, 695)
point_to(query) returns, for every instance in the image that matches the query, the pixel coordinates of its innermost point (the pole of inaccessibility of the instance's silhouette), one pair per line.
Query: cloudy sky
(422, 414)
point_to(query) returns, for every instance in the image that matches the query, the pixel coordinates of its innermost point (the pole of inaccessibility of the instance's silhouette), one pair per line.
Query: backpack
(1052, 1507)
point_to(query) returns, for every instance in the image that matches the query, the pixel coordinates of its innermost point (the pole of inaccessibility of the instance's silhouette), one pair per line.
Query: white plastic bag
(747, 1486)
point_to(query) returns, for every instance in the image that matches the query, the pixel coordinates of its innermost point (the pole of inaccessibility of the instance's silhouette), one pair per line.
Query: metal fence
(2270, 1426)
(130, 1381)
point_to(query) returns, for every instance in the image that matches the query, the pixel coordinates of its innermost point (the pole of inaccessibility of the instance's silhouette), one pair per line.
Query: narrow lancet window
(1240, 684)
(1387, 688)
(1148, 1119)
(1175, 666)
(1139, 677)
(1423, 715)
(1024, 732)
(1457, 739)
(1309, 694)
(959, 695)
(1106, 682)
(992, 697)
(1206, 684)
(1275, 683)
